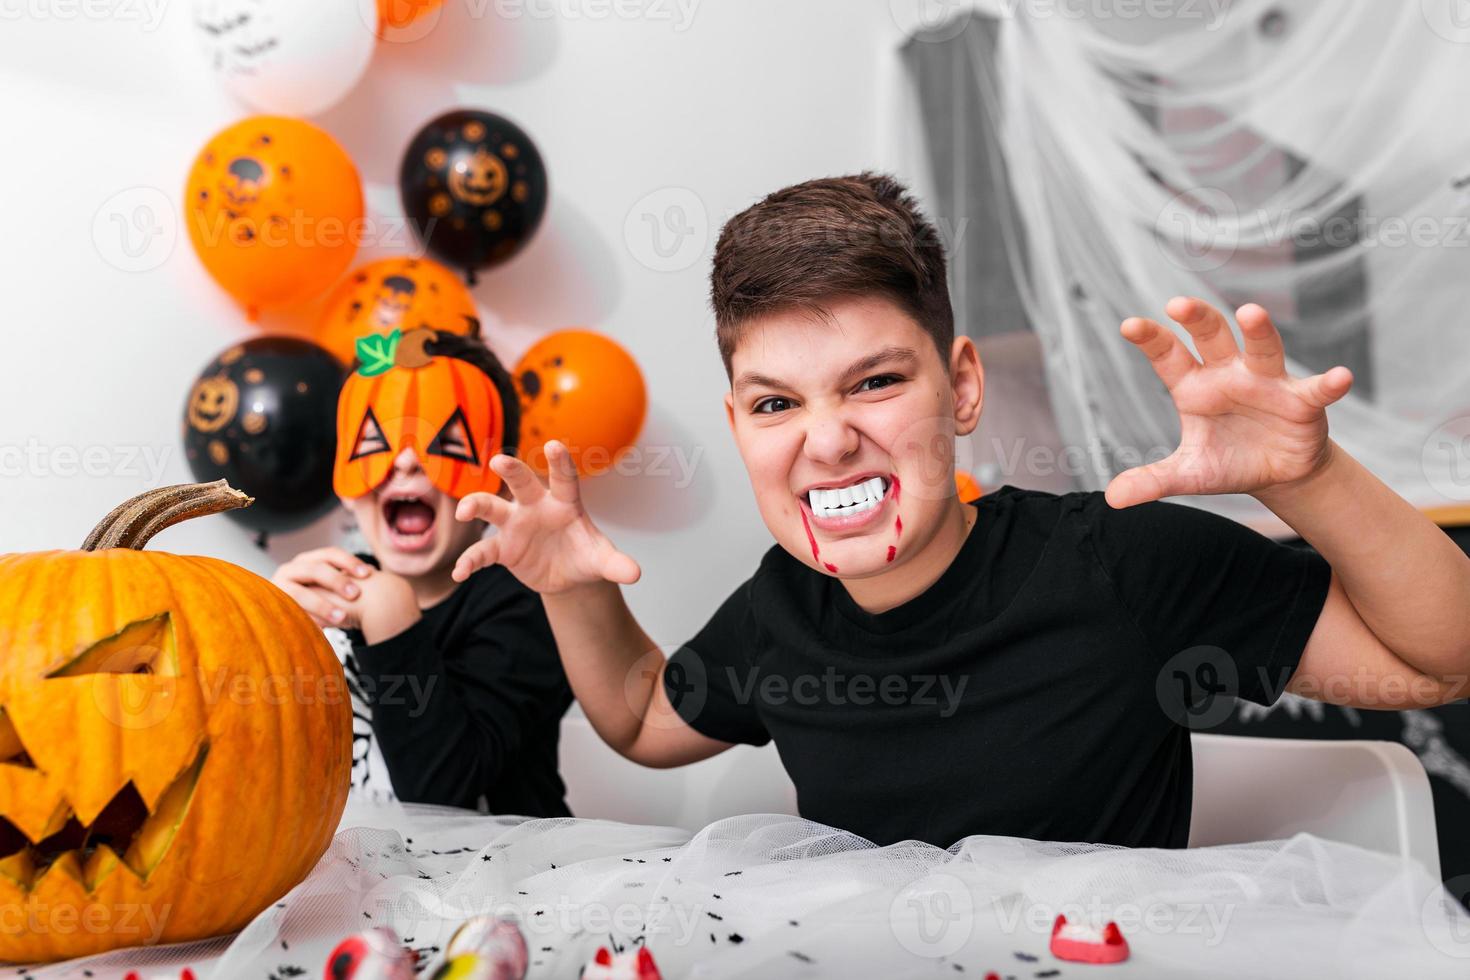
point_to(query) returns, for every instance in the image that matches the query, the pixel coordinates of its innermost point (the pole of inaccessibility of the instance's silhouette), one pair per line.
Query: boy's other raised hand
(543, 534)
(1246, 425)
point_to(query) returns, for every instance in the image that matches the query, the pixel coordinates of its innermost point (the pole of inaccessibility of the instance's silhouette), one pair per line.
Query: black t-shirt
(467, 702)
(1036, 690)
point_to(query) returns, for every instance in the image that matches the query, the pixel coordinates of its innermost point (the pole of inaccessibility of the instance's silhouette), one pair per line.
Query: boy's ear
(730, 409)
(967, 377)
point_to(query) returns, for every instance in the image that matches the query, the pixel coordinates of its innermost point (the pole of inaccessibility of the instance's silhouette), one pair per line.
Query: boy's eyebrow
(754, 379)
(878, 358)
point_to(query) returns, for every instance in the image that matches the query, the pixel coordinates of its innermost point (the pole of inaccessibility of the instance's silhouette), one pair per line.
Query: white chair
(1372, 794)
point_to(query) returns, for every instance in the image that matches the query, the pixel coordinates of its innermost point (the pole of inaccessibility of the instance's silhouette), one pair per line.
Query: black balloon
(263, 415)
(474, 189)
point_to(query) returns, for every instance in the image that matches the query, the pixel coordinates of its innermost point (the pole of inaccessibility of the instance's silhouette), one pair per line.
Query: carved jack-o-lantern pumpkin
(174, 740)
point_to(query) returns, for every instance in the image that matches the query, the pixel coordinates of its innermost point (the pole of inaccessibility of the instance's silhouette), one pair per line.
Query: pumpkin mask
(401, 397)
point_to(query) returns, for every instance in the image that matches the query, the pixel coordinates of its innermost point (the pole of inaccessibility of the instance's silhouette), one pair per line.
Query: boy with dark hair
(457, 689)
(1027, 665)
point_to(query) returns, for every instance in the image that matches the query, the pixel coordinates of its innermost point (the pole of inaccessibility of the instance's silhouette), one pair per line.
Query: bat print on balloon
(401, 397)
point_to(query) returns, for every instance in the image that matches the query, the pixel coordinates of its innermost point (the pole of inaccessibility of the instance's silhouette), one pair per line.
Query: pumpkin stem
(136, 520)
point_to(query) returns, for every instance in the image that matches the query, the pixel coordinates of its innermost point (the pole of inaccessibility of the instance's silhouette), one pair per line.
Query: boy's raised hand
(1245, 424)
(325, 582)
(543, 534)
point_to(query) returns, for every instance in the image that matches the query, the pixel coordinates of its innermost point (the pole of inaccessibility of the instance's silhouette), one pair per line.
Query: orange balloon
(968, 487)
(393, 14)
(395, 294)
(274, 208)
(584, 389)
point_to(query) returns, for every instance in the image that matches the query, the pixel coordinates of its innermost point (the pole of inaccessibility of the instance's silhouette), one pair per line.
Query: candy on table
(1084, 944)
(375, 954)
(607, 965)
(184, 974)
(485, 948)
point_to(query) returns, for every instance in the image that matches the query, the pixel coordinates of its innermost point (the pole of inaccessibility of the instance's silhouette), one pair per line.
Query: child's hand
(544, 536)
(1246, 425)
(318, 580)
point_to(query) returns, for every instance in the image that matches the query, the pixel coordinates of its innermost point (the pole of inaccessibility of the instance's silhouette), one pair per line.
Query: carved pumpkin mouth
(123, 832)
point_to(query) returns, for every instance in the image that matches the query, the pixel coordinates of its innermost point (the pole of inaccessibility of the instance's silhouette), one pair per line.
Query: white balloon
(290, 57)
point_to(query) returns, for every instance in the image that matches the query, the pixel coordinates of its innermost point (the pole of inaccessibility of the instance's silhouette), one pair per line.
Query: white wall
(745, 97)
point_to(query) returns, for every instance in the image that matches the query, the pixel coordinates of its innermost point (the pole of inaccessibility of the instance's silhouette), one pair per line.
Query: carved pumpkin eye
(370, 438)
(142, 647)
(454, 440)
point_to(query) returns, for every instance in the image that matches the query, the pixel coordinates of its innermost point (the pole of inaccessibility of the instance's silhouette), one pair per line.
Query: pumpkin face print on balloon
(401, 397)
(480, 178)
(261, 415)
(475, 188)
(395, 294)
(212, 403)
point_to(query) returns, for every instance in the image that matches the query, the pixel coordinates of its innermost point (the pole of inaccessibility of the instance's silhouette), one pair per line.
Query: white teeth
(850, 500)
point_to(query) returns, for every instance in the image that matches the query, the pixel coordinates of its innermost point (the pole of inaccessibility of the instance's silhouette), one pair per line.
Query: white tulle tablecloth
(776, 896)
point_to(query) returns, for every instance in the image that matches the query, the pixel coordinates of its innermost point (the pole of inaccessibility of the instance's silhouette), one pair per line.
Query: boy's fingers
(1264, 352)
(620, 568)
(329, 577)
(477, 556)
(519, 478)
(1137, 486)
(1170, 359)
(322, 612)
(340, 558)
(1208, 327)
(562, 474)
(483, 506)
(1329, 386)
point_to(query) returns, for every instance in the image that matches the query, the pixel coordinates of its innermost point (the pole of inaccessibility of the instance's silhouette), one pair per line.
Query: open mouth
(850, 505)
(409, 520)
(125, 831)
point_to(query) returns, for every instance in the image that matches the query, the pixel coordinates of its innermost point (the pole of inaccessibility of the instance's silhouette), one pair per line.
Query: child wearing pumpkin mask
(459, 683)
